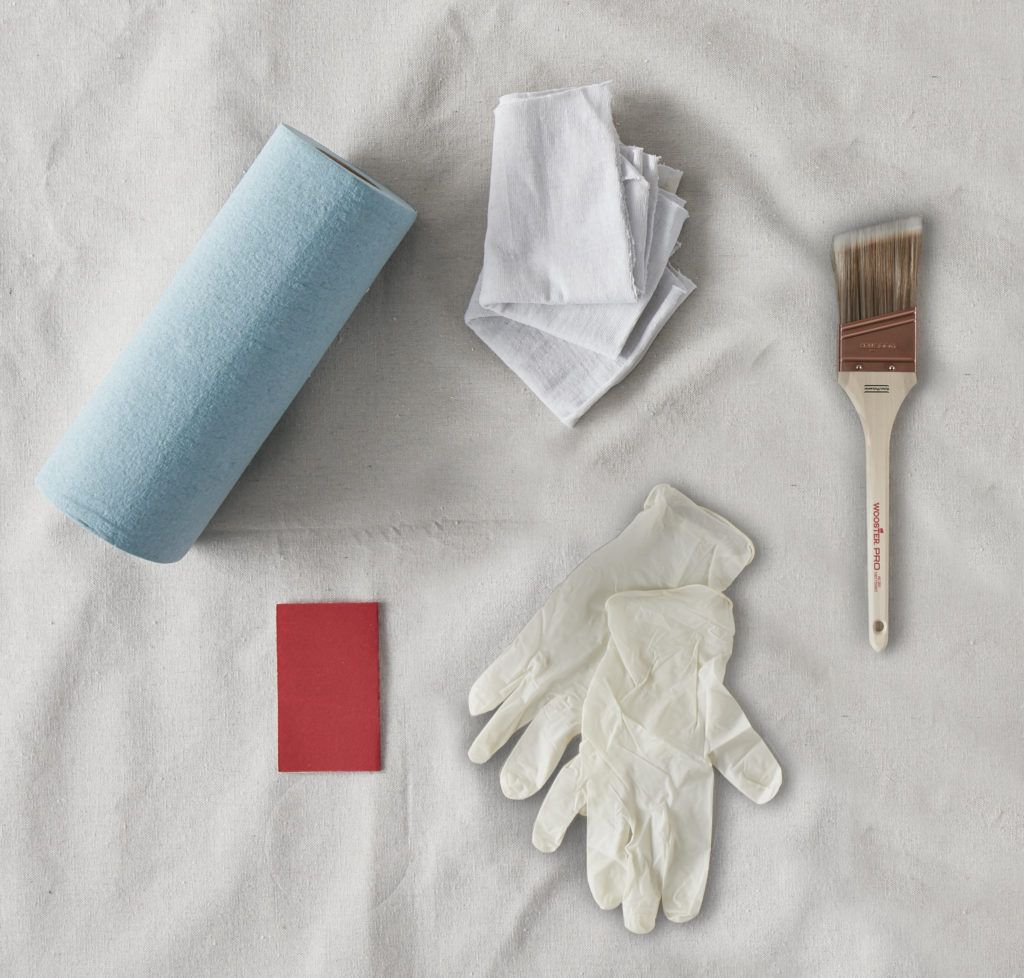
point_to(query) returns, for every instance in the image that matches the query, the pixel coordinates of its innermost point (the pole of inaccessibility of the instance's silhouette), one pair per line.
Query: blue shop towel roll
(226, 349)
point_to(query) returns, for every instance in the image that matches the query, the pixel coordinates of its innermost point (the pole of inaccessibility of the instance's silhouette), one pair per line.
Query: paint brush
(876, 282)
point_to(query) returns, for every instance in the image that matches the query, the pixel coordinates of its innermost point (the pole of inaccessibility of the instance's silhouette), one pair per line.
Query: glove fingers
(607, 835)
(686, 865)
(501, 678)
(508, 718)
(737, 750)
(541, 747)
(565, 800)
(643, 892)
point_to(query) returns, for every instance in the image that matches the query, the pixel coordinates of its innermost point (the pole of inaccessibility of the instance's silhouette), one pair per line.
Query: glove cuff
(733, 548)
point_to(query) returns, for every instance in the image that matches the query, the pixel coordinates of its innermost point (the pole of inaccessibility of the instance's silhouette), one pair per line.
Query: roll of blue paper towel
(225, 350)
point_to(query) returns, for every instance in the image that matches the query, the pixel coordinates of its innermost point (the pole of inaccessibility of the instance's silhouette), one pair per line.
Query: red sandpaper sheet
(328, 687)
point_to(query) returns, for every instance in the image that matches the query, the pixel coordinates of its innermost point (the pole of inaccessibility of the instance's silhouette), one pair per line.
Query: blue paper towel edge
(350, 167)
(99, 525)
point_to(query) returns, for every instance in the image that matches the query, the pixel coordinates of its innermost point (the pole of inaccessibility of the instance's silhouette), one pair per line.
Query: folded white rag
(570, 379)
(557, 226)
(575, 283)
(605, 327)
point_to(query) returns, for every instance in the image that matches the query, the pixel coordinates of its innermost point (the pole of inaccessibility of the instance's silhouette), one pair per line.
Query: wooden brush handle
(877, 396)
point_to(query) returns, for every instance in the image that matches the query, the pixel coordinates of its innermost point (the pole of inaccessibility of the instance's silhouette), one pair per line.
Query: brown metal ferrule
(886, 342)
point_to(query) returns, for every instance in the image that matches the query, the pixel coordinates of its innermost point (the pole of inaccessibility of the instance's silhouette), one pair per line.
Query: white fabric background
(143, 828)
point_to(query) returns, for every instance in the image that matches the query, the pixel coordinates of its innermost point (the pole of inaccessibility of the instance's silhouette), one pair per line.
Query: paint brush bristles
(876, 269)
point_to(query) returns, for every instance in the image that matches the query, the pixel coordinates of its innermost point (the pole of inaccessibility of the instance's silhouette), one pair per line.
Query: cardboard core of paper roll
(345, 166)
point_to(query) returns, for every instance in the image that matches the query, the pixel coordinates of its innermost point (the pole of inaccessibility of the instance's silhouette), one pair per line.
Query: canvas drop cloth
(144, 829)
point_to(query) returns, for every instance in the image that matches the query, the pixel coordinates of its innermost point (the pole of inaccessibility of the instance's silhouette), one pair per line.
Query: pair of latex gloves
(630, 653)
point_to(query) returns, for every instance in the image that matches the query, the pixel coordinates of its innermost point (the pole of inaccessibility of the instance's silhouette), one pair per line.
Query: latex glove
(656, 719)
(542, 677)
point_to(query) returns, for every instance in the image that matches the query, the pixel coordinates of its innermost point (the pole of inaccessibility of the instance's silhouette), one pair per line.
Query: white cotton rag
(570, 379)
(557, 225)
(605, 327)
(575, 283)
